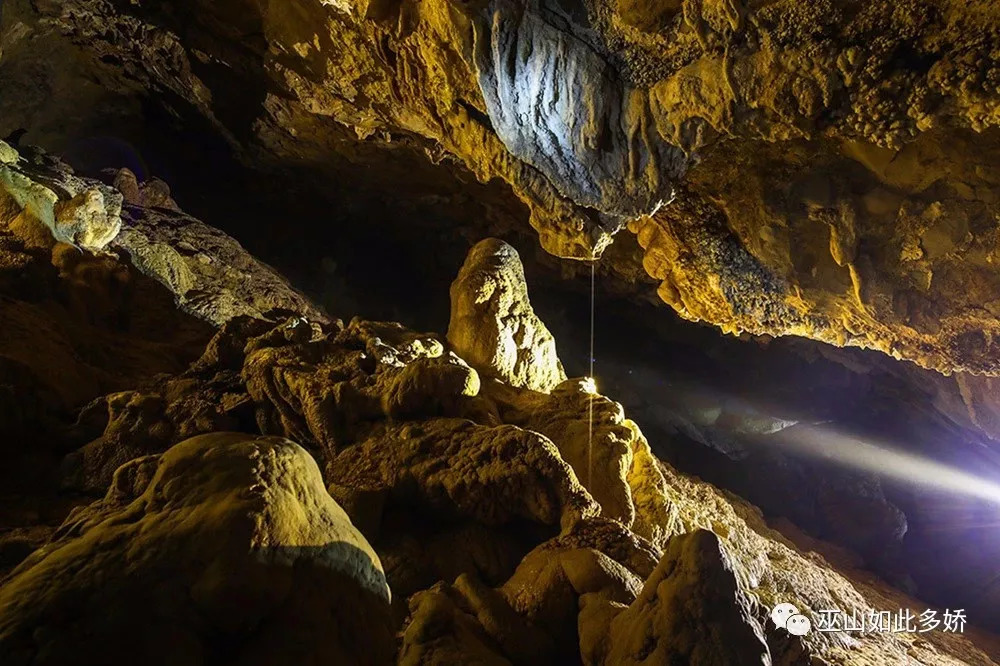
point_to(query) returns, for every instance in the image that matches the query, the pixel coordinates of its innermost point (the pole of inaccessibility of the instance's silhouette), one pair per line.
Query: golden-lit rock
(547, 587)
(607, 451)
(493, 475)
(841, 258)
(789, 168)
(656, 516)
(233, 537)
(450, 474)
(326, 387)
(493, 326)
(84, 213)
(469, 623)
(7, 154)
(691, 610)
(599, 452)
(211, 275)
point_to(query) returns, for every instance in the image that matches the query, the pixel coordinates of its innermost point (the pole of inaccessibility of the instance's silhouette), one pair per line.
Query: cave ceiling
(822, 169)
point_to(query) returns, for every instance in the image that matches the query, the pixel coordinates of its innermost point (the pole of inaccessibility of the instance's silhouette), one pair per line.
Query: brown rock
(692, 610)
(469, 623)
(600, 455)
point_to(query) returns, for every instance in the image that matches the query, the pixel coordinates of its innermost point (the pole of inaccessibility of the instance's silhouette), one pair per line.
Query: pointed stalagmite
(493, 326)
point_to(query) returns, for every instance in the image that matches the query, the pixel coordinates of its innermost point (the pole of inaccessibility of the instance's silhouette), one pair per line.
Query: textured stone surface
(75, 210)
(493, 325)
(469, 623)
(600, 454)
(690, 610)
(232, 541)
(494, 475)
(828, 167)
(212, 276)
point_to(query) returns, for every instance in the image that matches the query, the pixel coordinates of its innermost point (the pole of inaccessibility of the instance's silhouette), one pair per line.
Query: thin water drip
(590, 376)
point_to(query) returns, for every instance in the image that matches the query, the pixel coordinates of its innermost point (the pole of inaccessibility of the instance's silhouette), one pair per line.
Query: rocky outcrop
(469, 623)
(213, 277)
(492, 475)
(74, 210)
(493, 325)
(691, 610)
(601, 454)
(236, 543)
(210, 274)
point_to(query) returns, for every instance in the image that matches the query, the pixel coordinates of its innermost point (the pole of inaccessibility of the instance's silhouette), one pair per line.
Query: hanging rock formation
(819, 170)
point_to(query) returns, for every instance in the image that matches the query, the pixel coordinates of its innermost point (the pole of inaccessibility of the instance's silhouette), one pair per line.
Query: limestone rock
(493, 326)
(419, 548)
(771, 570)
(601, 456)
(8, 155)
(493, 475)
(327, 388)
(88, 220)
(232, 551)
(440, 633)
(140, 423)
(283, 375)
(657, 518)
(547, 586)
(210, 274)
(691, 610)
(623, 546)
(610, 456)
(555, 103)
(877, 128)
(77, 325)
(46, 192)
(469, 623)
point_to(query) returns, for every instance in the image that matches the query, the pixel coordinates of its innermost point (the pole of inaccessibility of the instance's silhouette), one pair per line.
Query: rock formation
(492, 323)
(225, 549)
(200, 463)
(818, 171)
(691, 610)
(481, 531)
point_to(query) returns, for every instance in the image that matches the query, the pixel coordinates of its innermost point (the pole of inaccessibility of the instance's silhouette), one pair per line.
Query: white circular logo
(781, 613)
(798, 625)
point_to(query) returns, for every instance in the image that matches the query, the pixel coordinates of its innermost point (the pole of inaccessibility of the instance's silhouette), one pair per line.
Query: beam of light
(849, 451)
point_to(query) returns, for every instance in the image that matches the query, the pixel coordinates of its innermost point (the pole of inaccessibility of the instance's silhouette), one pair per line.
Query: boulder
(230, 552)
(456, 468)
(692, 610)
(468, 622)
